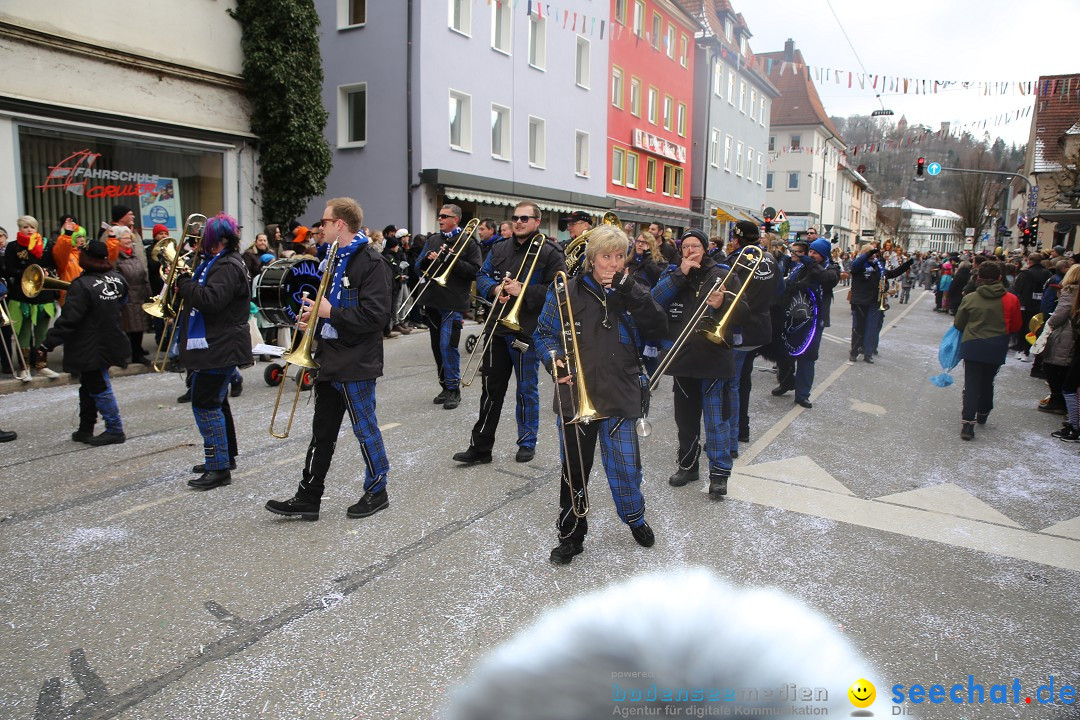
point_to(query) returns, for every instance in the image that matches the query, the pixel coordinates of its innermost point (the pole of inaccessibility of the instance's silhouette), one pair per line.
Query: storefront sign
(75, 173)
(659, 146)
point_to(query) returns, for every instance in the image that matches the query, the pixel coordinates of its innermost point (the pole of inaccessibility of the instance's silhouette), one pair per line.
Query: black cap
(747, 230)
(577, 216)
(694, 233)
(97, 249)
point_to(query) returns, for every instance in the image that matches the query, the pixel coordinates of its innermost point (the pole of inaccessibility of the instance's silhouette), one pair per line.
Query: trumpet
(34, 280)
(301, 356)
(167, 305)
(512, 321)
(413, 298)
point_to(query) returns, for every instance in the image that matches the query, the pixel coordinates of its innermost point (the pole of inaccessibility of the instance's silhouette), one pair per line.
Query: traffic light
(1025, 237)
(920, 165)
(1033, 226)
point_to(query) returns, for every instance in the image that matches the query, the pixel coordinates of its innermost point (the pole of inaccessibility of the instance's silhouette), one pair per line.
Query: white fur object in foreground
(684, 629)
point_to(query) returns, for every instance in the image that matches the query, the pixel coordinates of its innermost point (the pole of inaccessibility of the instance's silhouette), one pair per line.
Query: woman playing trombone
(599, 383)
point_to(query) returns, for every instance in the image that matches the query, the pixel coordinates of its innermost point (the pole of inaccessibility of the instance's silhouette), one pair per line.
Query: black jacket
(398, 274)
(866, 279)
(508, 257)
(357, 352)
(609, 354)
(759, 296)
(455, 296)
(1028, 288)
(644, 269)
(821, 279)
(225, 303)
(89, 327)
(681, 295)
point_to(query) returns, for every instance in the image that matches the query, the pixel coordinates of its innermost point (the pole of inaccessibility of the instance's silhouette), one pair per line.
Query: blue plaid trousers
(713, 398)
(444, 327)
(502, 358)
(211, 420)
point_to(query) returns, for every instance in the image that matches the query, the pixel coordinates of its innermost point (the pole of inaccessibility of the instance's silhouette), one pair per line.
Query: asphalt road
(126, 595)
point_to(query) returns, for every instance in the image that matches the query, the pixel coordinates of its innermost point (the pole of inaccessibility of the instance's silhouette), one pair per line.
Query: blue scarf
(196, 330)
(341, 263)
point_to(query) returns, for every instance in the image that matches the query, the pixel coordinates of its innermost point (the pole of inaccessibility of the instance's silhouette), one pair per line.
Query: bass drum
(280, 287)
(800, 322)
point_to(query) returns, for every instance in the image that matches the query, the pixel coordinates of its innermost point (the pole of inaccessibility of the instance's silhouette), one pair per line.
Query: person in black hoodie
(350, 356)
(703, 371)
(443, 306)
(90, 331)
(868, 272)
(612, 314)
(214, 341)
(1028, 288)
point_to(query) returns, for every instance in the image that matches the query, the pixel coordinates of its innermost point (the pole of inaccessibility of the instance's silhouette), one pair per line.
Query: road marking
(389, 426)
(799, 470)
(838, 341)
(868, 408)
(959, 502)
(1068, 528)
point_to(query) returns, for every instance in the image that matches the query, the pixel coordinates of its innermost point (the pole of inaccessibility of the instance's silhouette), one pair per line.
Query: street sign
(868, 232)
(780, 218)
(768, 213)
(933, 169)
(969, 232)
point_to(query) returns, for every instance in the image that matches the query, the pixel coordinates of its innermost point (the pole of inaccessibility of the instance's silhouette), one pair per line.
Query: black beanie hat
(695, 233)
(119, 211)
(747, 230)
(97, 249)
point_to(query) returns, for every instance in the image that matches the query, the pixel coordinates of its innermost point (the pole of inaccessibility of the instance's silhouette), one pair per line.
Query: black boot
(683, 476)
(370, 504)
(211, 479)
(441, 397)
(967, 430)
(565, 552)
(473, 456)
(453, 399)
(107, 438)
(718, 486)
(8, 435)
(295, 507)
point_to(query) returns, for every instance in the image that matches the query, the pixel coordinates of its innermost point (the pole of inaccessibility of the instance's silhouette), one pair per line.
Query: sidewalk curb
(8, 387)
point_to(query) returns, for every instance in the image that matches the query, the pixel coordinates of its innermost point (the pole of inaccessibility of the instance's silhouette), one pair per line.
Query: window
(668, 111)
(618, 166)
(714, 148)
(796, 142)
(639, 18)
(731, 87)
(654, 100)
(631, 170)
(351, 13)
(617, 87)
(684, 53)
(500, 132)
(657, 30)
(718, 80)
(501, 26)
(460, 121)
(760, 168)
(669, 39)
(581, 154)
(650, 175)
(793, 181)
(681, 120)
(772, 143)
(537, 144)
(762, 116)
(753, 104)
(739, 160)
(352, 115)
(742, 97)
(678, 182)
(620, 11)
(768, 181)
(750, 164)
(538, 42)
(727, 28)
(669, 180)
(635, 97)
(461, 16)
(727, 153)
(581, 72)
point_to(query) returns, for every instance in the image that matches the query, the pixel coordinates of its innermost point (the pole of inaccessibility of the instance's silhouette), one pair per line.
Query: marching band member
(443, 306)
(350, 355)
(512, 351)
(869, 279)
(214, 341)
(30, 317)
(93, 340)
(704, 371)
(612, 314)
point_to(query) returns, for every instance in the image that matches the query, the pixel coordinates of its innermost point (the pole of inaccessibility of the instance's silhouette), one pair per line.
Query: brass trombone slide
(436, 272)
(5, 320)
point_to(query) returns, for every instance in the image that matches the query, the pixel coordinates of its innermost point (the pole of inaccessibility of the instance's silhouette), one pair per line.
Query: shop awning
(636, 210)
(735, 214)
(493, 198)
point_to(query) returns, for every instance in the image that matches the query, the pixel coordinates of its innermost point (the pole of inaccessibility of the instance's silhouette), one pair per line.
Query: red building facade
(649, 118)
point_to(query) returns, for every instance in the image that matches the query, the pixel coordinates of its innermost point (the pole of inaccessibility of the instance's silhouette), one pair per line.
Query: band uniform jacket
(507, 257)
(357, 352)
(225, 302)
(89, 328)
(760, 294)
(455, 296)
(610, 339)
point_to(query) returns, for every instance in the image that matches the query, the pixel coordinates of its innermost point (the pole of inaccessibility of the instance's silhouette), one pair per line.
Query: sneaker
(718, 487)
(440, 398)
(370, 504)
(211, 479)
(1067, 434)
(565, 552)
(24, 376)
(107, 438)
(82, 437)
(453, 399)
(643, 534)
(683, 476)
(236, 389)
(46, 372)
(295, 507)
(202, 468)
(473, 456)
(525, 454)
(185, 398)
(967, 431)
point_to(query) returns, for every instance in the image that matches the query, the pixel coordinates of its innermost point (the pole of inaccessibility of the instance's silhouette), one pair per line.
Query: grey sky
(988, 40)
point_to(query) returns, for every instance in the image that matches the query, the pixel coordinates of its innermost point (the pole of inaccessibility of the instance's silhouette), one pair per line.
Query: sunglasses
(523, 218)
(443, 216)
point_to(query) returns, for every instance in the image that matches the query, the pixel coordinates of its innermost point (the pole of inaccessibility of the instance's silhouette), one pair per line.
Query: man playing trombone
(515, 275)
(355, 309)
(444, 304)
(590, 335)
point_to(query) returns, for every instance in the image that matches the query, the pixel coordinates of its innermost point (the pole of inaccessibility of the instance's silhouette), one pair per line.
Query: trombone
(34, 280)
(428, 276)
(301, 356)
(5, 321)
(512, 321)
(167, 305)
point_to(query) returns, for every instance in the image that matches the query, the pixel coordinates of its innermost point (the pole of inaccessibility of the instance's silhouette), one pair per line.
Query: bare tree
(976, 194)
(1063, 190)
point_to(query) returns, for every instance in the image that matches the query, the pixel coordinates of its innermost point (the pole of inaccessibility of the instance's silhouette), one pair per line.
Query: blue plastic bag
(948, 355)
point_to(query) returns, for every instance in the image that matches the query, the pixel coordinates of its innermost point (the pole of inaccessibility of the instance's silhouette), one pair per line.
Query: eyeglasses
(444, 216)
(329, 220)
(523, 218)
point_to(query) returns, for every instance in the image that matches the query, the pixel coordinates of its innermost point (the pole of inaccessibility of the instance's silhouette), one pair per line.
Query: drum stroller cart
(278, 292)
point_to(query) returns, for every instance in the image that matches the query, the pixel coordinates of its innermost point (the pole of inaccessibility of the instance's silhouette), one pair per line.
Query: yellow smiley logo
(862, 693)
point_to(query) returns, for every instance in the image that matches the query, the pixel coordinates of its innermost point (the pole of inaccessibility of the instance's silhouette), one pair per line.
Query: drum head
(800, 322)
(280, 287)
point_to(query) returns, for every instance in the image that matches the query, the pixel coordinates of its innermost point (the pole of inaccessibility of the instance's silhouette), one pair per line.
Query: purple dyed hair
(220, 228)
